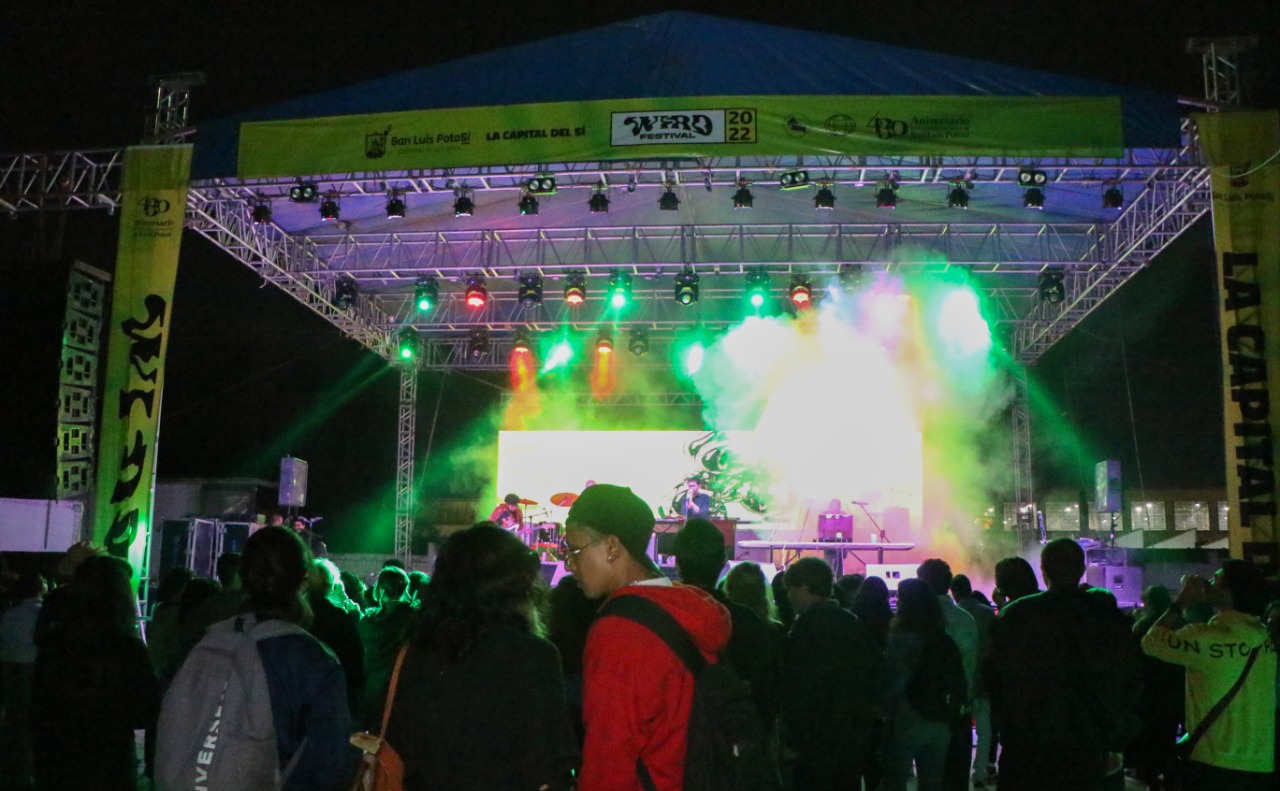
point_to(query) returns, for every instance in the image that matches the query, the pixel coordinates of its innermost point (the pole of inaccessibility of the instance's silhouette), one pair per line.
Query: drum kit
(542, 536)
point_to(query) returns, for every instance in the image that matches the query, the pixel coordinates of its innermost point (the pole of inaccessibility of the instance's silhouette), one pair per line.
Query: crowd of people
(497, 682)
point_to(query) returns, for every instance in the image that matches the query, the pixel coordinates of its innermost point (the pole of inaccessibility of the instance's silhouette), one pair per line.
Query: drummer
(508, 514)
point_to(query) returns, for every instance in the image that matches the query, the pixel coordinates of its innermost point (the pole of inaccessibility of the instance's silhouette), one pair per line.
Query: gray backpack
(216, 731)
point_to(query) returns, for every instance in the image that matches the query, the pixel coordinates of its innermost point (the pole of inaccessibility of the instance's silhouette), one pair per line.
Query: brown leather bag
(381, 768)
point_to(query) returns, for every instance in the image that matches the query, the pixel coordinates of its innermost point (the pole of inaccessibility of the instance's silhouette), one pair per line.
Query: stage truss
(1005, 253)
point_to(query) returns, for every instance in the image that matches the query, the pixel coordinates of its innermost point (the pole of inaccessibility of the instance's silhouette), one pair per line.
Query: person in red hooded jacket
(637, 693)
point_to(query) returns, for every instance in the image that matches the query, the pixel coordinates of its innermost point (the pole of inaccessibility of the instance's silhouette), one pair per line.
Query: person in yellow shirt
(1236, 750)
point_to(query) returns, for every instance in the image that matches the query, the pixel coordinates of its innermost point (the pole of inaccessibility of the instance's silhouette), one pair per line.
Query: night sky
(253, 375)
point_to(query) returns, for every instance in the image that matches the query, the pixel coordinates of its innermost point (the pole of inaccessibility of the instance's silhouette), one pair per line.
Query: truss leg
(405, 432)
(1023, 484)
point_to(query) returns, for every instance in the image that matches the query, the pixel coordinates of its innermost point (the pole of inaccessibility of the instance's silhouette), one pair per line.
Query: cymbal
(564, 499)
(528, 502)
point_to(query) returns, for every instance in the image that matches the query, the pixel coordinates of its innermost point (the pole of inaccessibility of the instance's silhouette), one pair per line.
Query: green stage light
(692, 358)
(561, 354)
(425, 293)
(757, 288)
(406, 344)
(619, 288)
(687, 286)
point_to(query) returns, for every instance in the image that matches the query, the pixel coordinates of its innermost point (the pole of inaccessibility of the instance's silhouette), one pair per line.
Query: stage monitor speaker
(1106, 487)
(892, 573)
(293, 482)
(1123, 581)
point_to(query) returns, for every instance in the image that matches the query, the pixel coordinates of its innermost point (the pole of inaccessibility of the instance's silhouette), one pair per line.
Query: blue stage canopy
(683, 54)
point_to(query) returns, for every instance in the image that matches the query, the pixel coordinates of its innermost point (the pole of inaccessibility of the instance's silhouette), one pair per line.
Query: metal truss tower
(1220, 57)
(170, 123)
(406, 433)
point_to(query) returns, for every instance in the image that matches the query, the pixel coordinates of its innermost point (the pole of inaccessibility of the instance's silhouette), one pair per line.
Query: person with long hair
(909, 737)
(871, 605)
(93, 683)
(480, 702)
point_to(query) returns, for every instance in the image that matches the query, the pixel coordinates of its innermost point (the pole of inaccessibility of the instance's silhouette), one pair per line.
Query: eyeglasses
(571, 554)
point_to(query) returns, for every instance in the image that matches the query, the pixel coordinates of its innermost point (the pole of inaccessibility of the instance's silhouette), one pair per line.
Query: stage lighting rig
(541, 185)
(344, 292)
(824, 198)
(395, 207)
(478, 343)
(604, 342)
(958, 197)
(1052, 287)
(523, 343)
(1113, 197)
(631, 184)
(757, 287)
(528, 204)
(476, 293)
(406, 344)
(687, 286)
(599, 202)
(669, 200)
(530, 295)
(706, 182)
(261, 214)
(329, 210)
(304, 192)
(887, 195)
(426, 292)
(639, 343)
(1034, 183)
(575, 290)
(743, 199)
(619, 288)
(463, 205)
(801, 293)
(794, 180)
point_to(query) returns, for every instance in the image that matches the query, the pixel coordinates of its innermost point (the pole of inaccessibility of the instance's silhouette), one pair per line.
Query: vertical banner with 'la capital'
(153, 205)
(1241, 149)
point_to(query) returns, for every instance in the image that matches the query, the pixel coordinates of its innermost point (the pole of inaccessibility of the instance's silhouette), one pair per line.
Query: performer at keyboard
(696, 503)
(508, 514)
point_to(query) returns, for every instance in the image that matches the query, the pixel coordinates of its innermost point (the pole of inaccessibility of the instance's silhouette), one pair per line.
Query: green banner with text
(152, 208)
(634, 129)
(1245, 175)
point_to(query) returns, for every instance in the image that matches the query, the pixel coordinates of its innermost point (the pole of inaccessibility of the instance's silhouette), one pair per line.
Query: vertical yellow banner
(1241, 148)
(153, 206)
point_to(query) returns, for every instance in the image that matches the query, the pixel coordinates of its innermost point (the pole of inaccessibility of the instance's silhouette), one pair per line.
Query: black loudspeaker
(48, 406)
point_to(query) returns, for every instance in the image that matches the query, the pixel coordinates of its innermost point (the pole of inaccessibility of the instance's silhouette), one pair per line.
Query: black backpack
(725, 748)
(938, 690)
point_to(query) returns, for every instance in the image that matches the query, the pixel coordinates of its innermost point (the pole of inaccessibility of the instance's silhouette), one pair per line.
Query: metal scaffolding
(1004, 251)
(406, 439)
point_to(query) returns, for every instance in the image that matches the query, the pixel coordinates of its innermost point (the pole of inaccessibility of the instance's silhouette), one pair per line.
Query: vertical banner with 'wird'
(1241, 148)
(152, 209)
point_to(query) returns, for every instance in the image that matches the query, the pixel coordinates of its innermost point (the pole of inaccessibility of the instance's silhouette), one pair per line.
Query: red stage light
(801, 294)
(476, 294)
